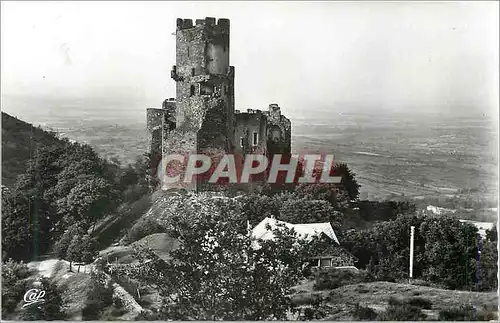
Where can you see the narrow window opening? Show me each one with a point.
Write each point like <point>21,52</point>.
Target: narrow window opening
<point>241,142</point>
<point>192,90</point>
<point>255,140</point>
<point>193,71</point>
<point>188,51</point>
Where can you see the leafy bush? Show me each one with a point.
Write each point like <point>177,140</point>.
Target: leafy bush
<point>394,301</point>
<point>420,302</point>
<point>334,278</point>
<point>99,296</point>
<point>461,313</point>
<point>312,313</point>
<point>53,308</point>
<point>445,251</point>
<point>143,228</point>
<point>364,313</point>
<point>403,312</point>
<point>147,316</point>
<point>316,311</point>
<point>14,284</point>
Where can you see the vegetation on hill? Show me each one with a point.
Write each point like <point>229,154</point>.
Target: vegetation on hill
<point>66,196</point>
<point>215,273</point>
<point>19,142</point>
<point>65,186</point>
<point>446,251</point>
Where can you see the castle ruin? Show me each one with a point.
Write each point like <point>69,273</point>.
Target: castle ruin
<point>203,116</point>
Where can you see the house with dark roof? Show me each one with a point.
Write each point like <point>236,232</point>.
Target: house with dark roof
<point>332,256</point>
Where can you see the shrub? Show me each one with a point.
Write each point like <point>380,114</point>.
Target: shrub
<point>147,316</point>
<point>334,278</point>
<point>314,313</point>
<point>100,296</point>
<point>394,301</point>
<point>420,302</point>
<point>404,312</point>
<point>117,302</point>
<point>461,313</point>
<point>14,284</point>
<point>53,308</point>
<point>143,228</point>
<point>364,313</point>
<point>135,192</point>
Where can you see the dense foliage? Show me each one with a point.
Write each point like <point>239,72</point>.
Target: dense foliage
<point>65,185</point>
<point>19,141</point>
<point>217,273</point>
<point>445,252</point>
<point>14,284</point>
<point>52,308</point>
<point>99,296</point>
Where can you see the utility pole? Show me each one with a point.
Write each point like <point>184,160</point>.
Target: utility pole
<point>412,238</point>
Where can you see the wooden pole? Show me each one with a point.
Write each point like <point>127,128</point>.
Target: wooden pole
<point>412,238</point>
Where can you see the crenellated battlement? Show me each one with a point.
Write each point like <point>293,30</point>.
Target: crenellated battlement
<point>222,23</point>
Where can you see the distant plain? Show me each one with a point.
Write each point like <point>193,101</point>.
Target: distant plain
<point>415,155</point>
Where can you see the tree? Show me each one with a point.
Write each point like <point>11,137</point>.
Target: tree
<point>217,273</point>
<point>14,284</point>
<point>64,183</point>
<point>320,191</point>
<point>450,251</point>
<point>445,249</point>
<point>305,210</point>
<point>256,207</point>
<point>82,249</point>
<point>488,265</point>
<point>17,229</point>
<point>61,246</point>
<point>87,201</point>
<point>99,296</point>
<point>492,235</point>
<point>52,308</point>
<point>348,180</point>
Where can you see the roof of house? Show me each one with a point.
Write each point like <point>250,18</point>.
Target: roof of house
<point>481,226</point>
<point>335,251</point>
<point>305,230</point>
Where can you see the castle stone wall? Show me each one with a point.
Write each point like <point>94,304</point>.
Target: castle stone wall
<point>154,119</point>
<point>248,123</point>
<point>202,118</point>
<point>279,135</point>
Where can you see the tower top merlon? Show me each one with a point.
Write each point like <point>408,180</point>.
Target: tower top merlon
<point>221,23</point>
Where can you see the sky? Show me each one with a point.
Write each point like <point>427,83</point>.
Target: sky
<point>305,56</point>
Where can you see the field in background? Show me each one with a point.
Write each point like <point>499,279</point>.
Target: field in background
<point>416,155</point>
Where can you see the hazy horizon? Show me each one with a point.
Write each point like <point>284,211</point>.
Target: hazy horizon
<point>321,56</point>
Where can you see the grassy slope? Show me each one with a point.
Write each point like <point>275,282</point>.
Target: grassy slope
<point>19,140</point>
<point>376,295</point>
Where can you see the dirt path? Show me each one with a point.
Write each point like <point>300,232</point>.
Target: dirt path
<point>76,282</point>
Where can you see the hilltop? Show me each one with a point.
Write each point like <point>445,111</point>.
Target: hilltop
<point>19,141</point>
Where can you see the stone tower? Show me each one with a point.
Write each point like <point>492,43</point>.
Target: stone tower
<point>202,118</point>
<point>204,83</point>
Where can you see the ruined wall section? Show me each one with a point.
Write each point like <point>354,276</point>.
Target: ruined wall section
<point>279,131</point>
<point>154,119</point>
<point>248,123</point>
<point>169,119</point>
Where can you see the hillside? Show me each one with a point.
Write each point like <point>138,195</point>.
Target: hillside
<point>19,141</point>
<point>376,295</point>
<point>337,304</point>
